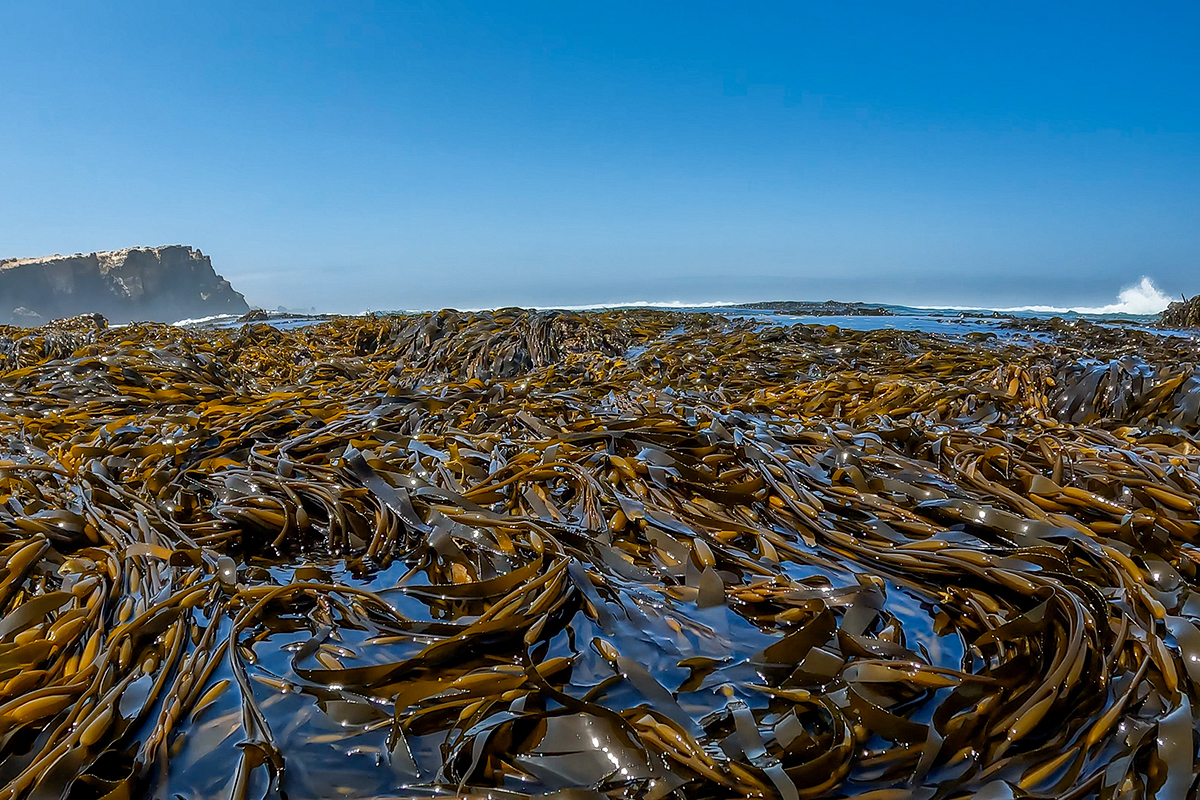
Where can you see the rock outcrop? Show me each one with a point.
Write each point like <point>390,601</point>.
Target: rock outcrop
<point>828,308</point>
<point>164,284</point>
<point>1181,314</point>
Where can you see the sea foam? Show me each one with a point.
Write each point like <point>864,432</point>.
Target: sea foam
<point>1141,299</point>
<point>201,320</point>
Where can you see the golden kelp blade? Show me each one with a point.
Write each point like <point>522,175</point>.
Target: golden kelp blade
<point>626,554</point>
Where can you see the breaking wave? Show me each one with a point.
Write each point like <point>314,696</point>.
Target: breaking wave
<point>1141,299</point>
<point>201,320</point>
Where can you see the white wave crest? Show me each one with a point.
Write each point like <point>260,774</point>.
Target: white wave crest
<point>643,304</point>
<point>201,320</point>
<point>665,304</point>
<point>1141,299</point>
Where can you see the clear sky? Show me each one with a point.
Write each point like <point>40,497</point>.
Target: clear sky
<point>351,155</point>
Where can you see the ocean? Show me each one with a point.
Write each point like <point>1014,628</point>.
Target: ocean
<point>1137,306</point>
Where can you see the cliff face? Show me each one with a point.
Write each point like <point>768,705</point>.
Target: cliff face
<point>140,283</point>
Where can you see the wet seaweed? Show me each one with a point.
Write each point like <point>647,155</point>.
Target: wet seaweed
<point>630,554</point>
<point>1183,313</point>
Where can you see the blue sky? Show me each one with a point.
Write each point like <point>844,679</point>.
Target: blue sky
<point>352,155</point>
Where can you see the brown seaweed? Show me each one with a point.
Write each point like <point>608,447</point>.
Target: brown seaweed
<point>631,554</point>
<point>1183,313</point>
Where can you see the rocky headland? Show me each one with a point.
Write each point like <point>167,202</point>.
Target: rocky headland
<point>136,284</point>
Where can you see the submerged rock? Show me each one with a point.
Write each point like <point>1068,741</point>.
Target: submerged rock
<point>139,283</point>
<point>1183,314</point>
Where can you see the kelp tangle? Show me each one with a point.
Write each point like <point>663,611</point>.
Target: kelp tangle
<point>630,554</point>
<point>1181,314</point>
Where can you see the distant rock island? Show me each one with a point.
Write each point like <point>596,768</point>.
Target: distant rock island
<point>163,284</point>
<point>828,308</point>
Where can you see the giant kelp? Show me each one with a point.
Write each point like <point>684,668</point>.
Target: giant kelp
<point>635,554</point>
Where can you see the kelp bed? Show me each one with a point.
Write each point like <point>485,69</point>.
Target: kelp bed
<point>635,554</point>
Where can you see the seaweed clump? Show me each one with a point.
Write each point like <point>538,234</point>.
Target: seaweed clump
<point>1182,314</point>
<point>630,554</point>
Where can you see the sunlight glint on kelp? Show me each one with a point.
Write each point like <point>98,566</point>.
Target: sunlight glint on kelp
<point>629,554</point>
